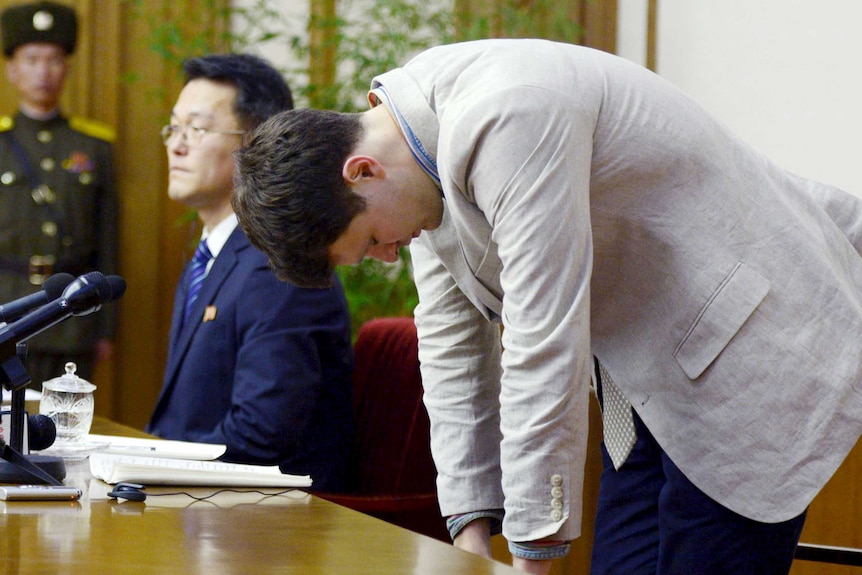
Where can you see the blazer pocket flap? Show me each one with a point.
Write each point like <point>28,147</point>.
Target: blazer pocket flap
<point>723,315</point>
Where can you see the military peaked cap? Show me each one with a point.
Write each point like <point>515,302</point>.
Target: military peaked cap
<point>39,22</point>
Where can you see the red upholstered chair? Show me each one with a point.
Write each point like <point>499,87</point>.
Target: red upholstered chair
<point>395,474</point>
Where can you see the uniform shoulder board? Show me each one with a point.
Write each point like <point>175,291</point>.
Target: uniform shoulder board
<point>6,123</point>
<point>93,128</point>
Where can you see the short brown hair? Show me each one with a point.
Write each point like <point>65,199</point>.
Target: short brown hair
<point>290,197</point>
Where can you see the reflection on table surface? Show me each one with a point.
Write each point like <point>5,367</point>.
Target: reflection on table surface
<point>214,530</point>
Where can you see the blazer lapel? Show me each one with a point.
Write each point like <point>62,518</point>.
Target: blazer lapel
<point>174,354</point>
<point>177,316</point>
<point>181,335</point>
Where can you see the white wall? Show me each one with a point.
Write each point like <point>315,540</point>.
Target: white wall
<point>293,21</point>
<point>783,74</point>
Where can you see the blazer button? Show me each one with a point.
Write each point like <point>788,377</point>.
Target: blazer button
<point>556,515</point>
<point>556,492</point>
<point>556,480</point>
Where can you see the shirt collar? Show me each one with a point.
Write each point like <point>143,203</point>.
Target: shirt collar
<point>217,237</point>
<point>423,157</point>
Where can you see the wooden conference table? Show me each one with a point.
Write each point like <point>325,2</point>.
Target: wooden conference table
<point>240,533</point>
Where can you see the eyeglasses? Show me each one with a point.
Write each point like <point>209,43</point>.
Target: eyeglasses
<point>192,135</point>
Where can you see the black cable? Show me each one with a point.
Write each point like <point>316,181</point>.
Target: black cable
<point>225,490</point>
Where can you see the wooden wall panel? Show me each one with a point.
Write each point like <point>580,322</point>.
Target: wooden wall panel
<point>151,244</point>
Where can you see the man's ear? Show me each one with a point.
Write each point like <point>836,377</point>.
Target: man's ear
<point>358,168</point>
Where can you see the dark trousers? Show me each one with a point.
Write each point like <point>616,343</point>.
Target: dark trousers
<point>651,520</point>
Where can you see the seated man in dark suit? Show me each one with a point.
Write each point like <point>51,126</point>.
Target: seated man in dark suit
<point>255,364</point>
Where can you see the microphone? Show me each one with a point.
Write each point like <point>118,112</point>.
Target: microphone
<point>42,432</point>
<point>51,290</point>
<point>83,296</point>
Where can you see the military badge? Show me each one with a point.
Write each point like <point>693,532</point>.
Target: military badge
<point>78,163</point>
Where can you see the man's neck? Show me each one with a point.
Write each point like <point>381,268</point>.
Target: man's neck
<point>382,133</point>
<point>40,113</point>
<point>211,217</point>
<point>383,138</point>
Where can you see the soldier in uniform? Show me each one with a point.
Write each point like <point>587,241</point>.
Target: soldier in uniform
<point>58,204</point>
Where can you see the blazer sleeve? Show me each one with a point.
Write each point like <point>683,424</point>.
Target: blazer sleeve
<point>523,156</point>
<point>459,356</point>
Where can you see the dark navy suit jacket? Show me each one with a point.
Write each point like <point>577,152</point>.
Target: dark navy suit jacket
<point>263,367</point>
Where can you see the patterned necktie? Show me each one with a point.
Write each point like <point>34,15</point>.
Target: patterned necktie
<point>617,420</point>
<point>197,273</point>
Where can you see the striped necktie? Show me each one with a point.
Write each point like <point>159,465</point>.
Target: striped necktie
<point>197,273</point>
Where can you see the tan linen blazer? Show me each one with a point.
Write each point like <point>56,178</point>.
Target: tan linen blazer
<point>594,209</point>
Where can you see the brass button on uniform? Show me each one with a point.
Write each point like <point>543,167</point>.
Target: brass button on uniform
<point>47,164</point>
<point>45,136</point>
<point>8,178</point>
<point>43,195</point>
<point>49,228</point>
<point>86,178</point>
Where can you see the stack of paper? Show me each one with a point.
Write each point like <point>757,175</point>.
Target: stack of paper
<point>163,471</point>
<point>163,462</point>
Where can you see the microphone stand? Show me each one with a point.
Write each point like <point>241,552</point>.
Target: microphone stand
<point>18,468</point>
<point>16,433</point>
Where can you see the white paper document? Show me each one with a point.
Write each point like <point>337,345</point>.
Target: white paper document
<point>113,468</point>
<point>151,447</point>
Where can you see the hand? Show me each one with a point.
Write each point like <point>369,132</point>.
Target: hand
<point>542,567</point>
<point>475,537</point>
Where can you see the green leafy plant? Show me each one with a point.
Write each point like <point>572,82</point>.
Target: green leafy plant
<point>379,37</point>
<point>549,19</point>
<point>183,29</point>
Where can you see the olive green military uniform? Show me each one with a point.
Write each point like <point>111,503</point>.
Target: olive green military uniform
<point>58,213</point>
<point>58,206</point>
